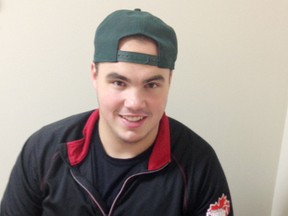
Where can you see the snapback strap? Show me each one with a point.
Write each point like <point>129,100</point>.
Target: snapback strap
<point>139,58</point>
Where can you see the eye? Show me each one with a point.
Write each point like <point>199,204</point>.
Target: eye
<point>118,83</point>
<point>152,85</point>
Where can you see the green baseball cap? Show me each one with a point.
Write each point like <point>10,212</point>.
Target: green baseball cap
<point>123,23</point>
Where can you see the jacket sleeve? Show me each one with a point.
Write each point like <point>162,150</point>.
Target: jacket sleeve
<point>213,195</point>
<point>23,195</point>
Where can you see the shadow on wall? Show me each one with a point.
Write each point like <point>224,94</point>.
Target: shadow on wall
<point>285,211</point>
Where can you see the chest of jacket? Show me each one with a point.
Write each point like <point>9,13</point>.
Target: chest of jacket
<point>160,192</point>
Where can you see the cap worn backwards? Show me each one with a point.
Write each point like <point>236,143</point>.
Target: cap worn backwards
<point>123,23</point>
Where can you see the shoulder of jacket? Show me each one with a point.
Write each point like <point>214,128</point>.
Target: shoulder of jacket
<point>184,141</point>
<point>65,130</point>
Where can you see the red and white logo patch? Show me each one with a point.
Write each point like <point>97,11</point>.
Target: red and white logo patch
<point>220,208</point>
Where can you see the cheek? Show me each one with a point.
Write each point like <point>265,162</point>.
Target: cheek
<point>158,103</point>
<point>108,98</point>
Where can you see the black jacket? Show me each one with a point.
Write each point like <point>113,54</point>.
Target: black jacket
<point>52,175</point>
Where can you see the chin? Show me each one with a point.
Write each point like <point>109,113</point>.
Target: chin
<point>131,138</point>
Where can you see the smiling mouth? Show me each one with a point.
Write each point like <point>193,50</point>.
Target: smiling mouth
<point>132,118</point>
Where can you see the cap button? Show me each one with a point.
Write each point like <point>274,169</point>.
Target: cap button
<point>137,9</point>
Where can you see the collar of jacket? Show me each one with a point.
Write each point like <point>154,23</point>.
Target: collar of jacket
<point>160,156</point>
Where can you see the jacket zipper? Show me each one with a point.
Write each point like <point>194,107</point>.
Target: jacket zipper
<point>89,193</point>
<point>119,193</point>
<point>126,181</point>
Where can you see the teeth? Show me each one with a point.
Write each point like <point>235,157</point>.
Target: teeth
<point>133,118</point>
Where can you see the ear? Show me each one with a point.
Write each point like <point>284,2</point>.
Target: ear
<point>94,74</point>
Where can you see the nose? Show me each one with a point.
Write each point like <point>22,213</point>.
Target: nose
<point>134,100</point>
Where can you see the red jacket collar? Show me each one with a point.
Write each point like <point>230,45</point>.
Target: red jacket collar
<point>160,156</point>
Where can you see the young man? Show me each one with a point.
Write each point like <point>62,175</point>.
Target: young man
<point>127,157</point>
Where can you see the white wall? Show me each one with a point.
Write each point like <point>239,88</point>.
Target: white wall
<point>230,84</point>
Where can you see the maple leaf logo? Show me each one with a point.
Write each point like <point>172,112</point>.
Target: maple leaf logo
<point>220,208</point>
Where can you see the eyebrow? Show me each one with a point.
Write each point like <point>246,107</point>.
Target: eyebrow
<point>114,75</point>
<point>155,78</point>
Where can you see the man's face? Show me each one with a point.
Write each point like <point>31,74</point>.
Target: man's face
<point>131,97</point>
